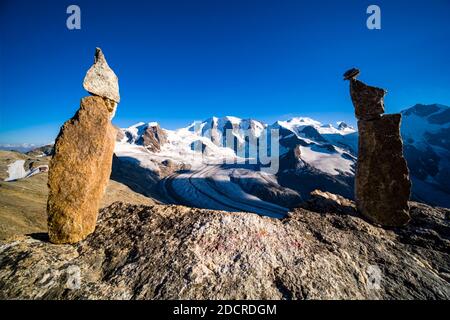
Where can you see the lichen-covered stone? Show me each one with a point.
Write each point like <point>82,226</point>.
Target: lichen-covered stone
<point>100,80</point>
<point>79,171</point>
<point>382,185</point>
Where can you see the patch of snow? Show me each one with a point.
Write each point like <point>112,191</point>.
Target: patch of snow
<point>16,170</point>
<point>331,163</point>
<point>297,124</point>
<point>134,152</point>
<point>415,127</point>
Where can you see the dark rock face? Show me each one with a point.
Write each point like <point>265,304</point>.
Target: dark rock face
<point>382,184</point>
<point>311,132</point>
<point>312,179</point>
<point>368,101</point>
<point>153,138</point>
<point>175,252</point>
<point>323,202</point>
<point>292,159</point>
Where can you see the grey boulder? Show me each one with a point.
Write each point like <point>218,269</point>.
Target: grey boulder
<point>100,80</point>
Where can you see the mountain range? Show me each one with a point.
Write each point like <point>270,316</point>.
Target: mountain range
<point>201,166</point>
<point>213,254</point>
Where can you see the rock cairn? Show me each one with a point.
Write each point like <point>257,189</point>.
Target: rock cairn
<point>382,184</point>
<point>81,164</point>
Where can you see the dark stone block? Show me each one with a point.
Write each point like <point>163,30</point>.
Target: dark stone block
<point>382,185</point>
<point>368,101</point>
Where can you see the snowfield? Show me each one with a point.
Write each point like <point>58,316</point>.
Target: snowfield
<point>211,187</point>
<point>16,170</point>
<point>216,175</point>
<point>331,163</point>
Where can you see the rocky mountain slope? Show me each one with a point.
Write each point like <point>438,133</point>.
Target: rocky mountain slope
<point>322,251</point>
<point>426,132</point>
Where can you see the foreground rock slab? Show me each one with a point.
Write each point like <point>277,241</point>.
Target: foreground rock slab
<point>176,252</point>
<point>79,171</point>
<point>382,183</point>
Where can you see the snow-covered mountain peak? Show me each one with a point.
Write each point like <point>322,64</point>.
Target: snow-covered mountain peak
<point>425,110</point>
<point>298,124</point>
<point>426,130</point>
<point>342,125</point>
<point>420,122</point>
<point>309,151</point>
<point>216,127</point>
<point>134,132</point>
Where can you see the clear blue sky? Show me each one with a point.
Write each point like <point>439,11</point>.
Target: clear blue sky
<point>180,61</point>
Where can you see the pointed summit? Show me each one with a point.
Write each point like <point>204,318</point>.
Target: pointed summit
<point>100,80</point>
<point>99,56</point>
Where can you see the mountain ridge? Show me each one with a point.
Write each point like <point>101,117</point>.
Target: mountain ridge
<point>310,150</point>
<point>312,155</point>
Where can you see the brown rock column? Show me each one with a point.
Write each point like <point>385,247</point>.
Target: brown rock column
<point>382,184</point>
<point>81,166</point>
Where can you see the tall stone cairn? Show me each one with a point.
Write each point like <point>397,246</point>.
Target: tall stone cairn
<point>81,164</point>
<point>382,184</point>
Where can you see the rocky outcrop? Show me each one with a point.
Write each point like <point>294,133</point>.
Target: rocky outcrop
<point>292,159</point>
<point>382,179</point>
<point>79,172</point>
<point>153,138</point>
<point>367,100</point>
<point>382,184</point>
<point>323,202</point>
<point>81,164</point>
<point>175,252</point>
